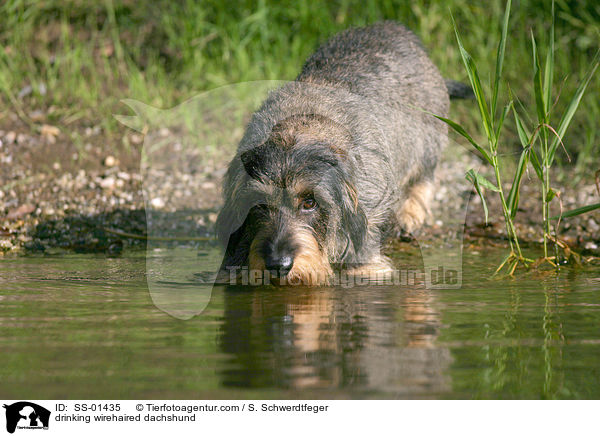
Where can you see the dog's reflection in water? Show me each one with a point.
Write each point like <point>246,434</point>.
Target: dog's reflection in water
<point>381,339</point>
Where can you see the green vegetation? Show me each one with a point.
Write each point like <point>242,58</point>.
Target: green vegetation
<point>80,57</point>
<point>538,148</point>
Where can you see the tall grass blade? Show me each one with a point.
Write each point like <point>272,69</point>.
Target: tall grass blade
<point>521,130</point>
<point>513,195</point>
<point>471,176</point>
<point>549,68</point>
<point>485,183</point>
<point>500,58</point>
<point>526,142</point>
<point>502,117</point>
<point>460,130</point>
<point>475,84</point>
<point>572,108</point>
<point>578,211</point>
<point>540,106</point>
<point>535,162</point>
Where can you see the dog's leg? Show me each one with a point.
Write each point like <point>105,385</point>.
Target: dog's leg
<point>414,211</point>
<point>378,269</point>
<point>378,265</point>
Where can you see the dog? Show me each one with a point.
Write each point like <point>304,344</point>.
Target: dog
<point>335,159</point>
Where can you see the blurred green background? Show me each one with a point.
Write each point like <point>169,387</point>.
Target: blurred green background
<point>70,61</point>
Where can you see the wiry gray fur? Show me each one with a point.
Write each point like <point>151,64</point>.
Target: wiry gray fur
<point>373,81</point>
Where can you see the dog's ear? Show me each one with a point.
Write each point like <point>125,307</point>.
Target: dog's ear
<point>354,220</point>
<point>237,248</point>
<point>231,230</point>
<point>233,214</point>
<point>254,160</point>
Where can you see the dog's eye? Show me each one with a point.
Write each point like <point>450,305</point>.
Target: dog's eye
<point>308,204</point>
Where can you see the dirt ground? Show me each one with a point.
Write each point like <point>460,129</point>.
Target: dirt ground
<point>58,196</point>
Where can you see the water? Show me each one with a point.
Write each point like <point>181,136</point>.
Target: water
<point>81,326</point>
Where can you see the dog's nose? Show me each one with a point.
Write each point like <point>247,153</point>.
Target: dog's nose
<point>282,265</point>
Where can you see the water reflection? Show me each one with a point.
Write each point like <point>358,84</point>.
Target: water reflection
<point>95,333</point>
<point>381,339</point>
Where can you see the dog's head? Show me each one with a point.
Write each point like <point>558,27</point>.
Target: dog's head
<point>299,206</point>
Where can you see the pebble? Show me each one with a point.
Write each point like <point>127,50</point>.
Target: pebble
<point>107,183</point>
<point>24,238</point>
<point>24,209</point>
<point>157,203</point>
<point>37,115</point>
<point>110,161</point>
<point>208,185</point>
<point>5,245</point>
<point>49,133</point>
<point>92,131</point>
<point>10,137</point>
<point>593,225</point>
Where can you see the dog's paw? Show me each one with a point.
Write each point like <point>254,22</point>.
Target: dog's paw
<point>377,269</point>
<point>415,210</point>
<point>412,216</point>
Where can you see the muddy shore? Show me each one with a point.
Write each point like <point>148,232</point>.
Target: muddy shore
<point>56,196</point>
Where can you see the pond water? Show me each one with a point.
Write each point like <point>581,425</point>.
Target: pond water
<point>84,326</point>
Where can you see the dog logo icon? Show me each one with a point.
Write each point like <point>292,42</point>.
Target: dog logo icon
<point>26,415</point>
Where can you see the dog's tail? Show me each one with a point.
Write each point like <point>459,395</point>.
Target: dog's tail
<point>459,90</point>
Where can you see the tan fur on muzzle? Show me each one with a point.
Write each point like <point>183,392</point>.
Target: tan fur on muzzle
<point>311,265</point>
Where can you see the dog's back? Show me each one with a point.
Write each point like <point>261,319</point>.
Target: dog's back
<point>384,62</point>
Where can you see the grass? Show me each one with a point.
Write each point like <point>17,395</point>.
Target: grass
<point>539,147</point>
<point>81,58</point>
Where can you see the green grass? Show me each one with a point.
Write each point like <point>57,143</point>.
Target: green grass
<point>540,142</point>
<point>90,55</point>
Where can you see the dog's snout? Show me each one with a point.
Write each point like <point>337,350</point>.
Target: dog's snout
<point>282,264</point>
